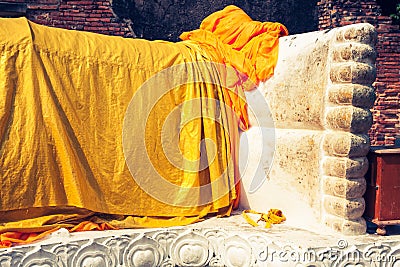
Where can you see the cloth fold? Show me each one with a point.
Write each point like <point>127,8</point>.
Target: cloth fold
<point>249,46</point>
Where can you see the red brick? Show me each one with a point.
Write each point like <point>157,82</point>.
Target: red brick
<point>48,2</point>
<point>107,20</point>
<point>96,24</point>
<point>89,28</point>
<point>68,18</point>
<point>41,7</point>
<point>65,6</point>
<point>88,7</point>
<point>74,14</point>
<point>78,18</point>
<point>79,2</point>
<point>92,19</point>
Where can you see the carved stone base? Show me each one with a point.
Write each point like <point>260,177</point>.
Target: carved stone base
<point>214,242</point>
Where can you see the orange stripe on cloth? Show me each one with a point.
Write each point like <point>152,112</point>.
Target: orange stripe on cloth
<point>90,226</point>
<point>9,239</point>
<point>12,238</point>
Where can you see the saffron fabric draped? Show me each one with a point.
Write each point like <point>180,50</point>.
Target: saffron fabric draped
<point>63,99</point>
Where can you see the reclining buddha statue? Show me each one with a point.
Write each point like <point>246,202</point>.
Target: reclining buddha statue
<point>125,133</point>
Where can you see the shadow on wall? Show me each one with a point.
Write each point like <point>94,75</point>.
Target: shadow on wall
<point>167,19</point>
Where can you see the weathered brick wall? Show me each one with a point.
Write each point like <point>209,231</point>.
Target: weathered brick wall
<point>94,16</point>
<point>386,111</point>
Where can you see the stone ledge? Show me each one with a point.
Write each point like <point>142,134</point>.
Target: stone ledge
<point>214,242</point>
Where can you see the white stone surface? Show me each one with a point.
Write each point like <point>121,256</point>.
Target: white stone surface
<point>229,241</point>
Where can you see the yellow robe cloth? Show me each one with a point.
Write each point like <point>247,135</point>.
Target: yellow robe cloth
<point>63,100</point>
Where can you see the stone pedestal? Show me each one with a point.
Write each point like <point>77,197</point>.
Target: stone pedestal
<point>230,242</point>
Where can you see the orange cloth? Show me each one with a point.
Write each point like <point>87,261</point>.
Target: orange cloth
<point>9,239</point>
<point>90,226</point>
<point>249,46</point>
<point>63,98</point>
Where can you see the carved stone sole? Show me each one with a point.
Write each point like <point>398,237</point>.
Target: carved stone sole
<point>347,121</point>
<point>319,100</point>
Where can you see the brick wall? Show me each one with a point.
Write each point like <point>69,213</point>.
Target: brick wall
<point>94,16</point>
<point>386,111</point>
